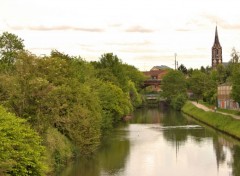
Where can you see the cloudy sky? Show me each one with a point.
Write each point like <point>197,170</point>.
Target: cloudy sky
<point>142,33</point>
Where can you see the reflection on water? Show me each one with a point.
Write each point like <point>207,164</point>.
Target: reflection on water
<point>160,141</point>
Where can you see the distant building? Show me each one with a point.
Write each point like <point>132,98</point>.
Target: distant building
<point>224,99</point>
<point>154,77</point>
<point>155,74</point>
<point>216,51</point>
<point>161,67</point>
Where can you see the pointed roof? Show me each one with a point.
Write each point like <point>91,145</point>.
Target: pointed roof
<point>216,41</point>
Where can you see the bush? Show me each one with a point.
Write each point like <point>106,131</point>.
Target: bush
<point>178,101</point>
<point>60,149</point>
<point>21,151</point>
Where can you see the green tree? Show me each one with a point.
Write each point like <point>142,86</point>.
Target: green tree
<point>235,56</point>
<point>190,71</point>
<point>135,97</point>
<point>134,75</point>
<point>114,102</point>
<point>27,91</point>
<point>236,83</point>
<point>21,151</point>
<point>72,103</point>
<point>183,69</point>
<point>203,85</point>
<point>174,88</point>
<point>10,45</point>
<point>113,65</point>
<point>197,83</point>
<point>221,74</point>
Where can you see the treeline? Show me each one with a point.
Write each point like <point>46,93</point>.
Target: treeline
<point>69,102</point>
<point>201,84</point>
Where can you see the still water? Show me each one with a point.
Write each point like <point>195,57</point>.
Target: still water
<point>162,142</point>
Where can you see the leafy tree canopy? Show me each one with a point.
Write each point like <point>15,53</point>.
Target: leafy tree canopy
<point>10,44</point>
<point>21,151</point>
<point>174,88</point>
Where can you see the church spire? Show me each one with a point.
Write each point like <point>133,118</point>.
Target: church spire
<point>216,51</point>
<point>216,41</point>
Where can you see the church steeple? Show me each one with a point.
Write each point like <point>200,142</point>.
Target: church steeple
<point>216,41</point>
<point>216,51</point>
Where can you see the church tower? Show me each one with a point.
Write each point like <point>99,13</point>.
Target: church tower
<point>216,51</point>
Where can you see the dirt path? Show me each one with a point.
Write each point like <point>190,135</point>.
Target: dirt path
<point>208,109</point>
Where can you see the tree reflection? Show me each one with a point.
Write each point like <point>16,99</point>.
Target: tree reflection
<point>236,160</point>
<point>218,148</point>
<point>108,160</point>
<point>113,153</point>
<point>176,128</point>
<point>175,133</point>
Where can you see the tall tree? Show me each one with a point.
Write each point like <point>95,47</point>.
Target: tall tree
<point>235,56</point>
<point>197,83</point>
<point>236,83</point>
<point>174,88</point>
<point>203,85</point>
<point>183,69</point>
<point>112,64</point>
<point>10,44</point>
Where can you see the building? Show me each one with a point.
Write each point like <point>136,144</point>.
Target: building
<point>216,51</point>
<point>224,97</point>
<point>161,67</point>
<point>154,77</point>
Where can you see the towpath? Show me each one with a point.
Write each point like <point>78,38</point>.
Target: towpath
<point>205,108</point>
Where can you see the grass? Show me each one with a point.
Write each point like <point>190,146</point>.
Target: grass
<point>206,104</point>
<point>218,121</point>
<point>229,111</point>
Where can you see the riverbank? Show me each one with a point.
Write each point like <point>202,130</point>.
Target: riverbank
<point>221,122</point>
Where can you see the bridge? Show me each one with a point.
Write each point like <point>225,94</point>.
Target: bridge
<point>154,78</point>
<point>152,82</point>
<point>154,98</point>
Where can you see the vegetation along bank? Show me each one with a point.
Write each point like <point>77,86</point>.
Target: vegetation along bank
<point>221,122</point>
<point>55,107</point>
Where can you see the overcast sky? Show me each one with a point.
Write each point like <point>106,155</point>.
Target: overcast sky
<point>142,33</point>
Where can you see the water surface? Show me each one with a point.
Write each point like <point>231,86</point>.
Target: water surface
<point>162,142</point>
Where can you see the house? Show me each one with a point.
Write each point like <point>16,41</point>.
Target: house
<point>224,97</point>
<point>154,78</point>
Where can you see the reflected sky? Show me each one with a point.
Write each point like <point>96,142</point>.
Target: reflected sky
<point>151,154</point>
<point>160,142</point>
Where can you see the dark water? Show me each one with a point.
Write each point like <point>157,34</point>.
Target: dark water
<point>158,142</point>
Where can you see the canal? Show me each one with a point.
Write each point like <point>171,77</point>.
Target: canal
<point>162,142</point>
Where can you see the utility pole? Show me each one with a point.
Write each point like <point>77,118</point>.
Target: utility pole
<point>175,63</point>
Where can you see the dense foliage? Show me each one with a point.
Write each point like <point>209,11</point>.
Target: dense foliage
<point>10,44</point>
<point>21,150</point>
<point>71,103</point>
<point>174,88</point>
<point>236,83</point>
<point>203,86</point>
<point>76,100</point>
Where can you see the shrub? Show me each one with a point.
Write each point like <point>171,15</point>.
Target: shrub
<point>21,150</point>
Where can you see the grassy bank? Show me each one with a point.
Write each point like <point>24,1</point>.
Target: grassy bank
<point>229,111</point>
<point>218,121</point>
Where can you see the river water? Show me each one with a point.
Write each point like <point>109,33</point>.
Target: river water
<point>161,142</point>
